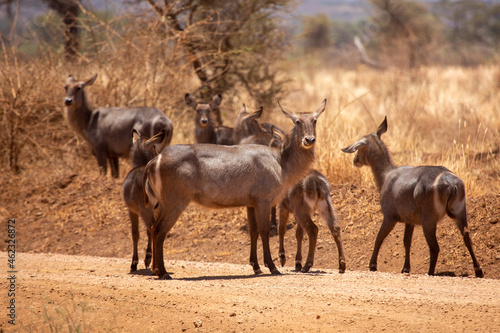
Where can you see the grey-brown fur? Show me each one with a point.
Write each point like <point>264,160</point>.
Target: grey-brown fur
<point>246,124</point>
<point>143,150</point>
<point>420,195</point>
<point>107,129</point>
<point>309,195</point>
<point>206,129</point>
<point>217,176</point>
<point>303,199</point>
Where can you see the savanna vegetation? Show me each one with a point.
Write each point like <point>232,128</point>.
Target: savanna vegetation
<point>439,92</point>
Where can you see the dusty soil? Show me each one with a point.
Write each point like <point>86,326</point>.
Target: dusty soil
<point>97,294</point>
<point>74,251</point>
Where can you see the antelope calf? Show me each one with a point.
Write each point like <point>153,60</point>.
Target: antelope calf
<point>107,129</point>
<point>303,199</point>
<point>205,129</point>
<point>420,195</point>
<point>217,176</point>
<point>142,151</point>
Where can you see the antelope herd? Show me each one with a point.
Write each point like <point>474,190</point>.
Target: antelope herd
<point>258,166</point>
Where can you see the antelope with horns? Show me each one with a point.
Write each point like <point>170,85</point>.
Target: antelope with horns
<point>420,195</point>
<point>217,176</point>
<point>107,129</point>
<point>205,129</point>
<point>303,199</point>
<point>142,151</point>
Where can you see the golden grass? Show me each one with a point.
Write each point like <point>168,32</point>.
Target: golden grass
<point>447,116</point>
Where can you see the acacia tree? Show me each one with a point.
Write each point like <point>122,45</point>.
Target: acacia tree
<point>228,43</point>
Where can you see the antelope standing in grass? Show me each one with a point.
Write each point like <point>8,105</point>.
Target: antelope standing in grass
<point>217,176</point>
<point>142,151</point>
<point>420,195</point>
<point>206,130</point>
<point>303,199</point>
<point>107,129</point>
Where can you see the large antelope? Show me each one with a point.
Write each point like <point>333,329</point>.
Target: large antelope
<point>205,128</point>
<point>107,129</point>
<point>216,176</point>
<point>420,195</point>
<point>303,199</point>
<point>142,151</point>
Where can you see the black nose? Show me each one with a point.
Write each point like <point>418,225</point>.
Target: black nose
<point>310,140</point>
<point>68,101</point>
<point>204,121</point>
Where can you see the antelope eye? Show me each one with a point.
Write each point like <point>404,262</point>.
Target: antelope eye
<point>297,122</point>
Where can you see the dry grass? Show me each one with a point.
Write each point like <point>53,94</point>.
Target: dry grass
<point>446,116</point>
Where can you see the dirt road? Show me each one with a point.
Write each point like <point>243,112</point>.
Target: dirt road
<point>97,294</point>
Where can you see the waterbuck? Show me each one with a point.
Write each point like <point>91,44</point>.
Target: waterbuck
<point>107,129</point>
<point>307,196</point>
<point>205,129</point>
<point>303,199</point>
<point>142,151</point>
<point>217,176</point>
<point>420,195</point>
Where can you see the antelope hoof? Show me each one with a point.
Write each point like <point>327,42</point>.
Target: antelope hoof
<point>165,277</point>
<point>479,273</point>
<point>298,266</point>
<point>275,271</point>
<point>282,259</point>
<point>405,271</point>
<point>133,267</point>
<point>342,266</point>
<point>373,267</point>
<point>257,271</point>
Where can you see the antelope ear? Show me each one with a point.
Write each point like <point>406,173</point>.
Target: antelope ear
<point>190,101</point>
<point>255,114</point>
<point>157,138</point>
<point>135,135</point>
<point>278,137</point>
<point>157,142</point>
<point>216,100</point>
<point>277,133</point>
<point>354,147</point>
<point>254,123</point>
<point>320,109</point>
<point>90,81</point>
<point>382,128</point>
<point>288,113</point>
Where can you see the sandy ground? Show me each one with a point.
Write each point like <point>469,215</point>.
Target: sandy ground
<point>61,293</point>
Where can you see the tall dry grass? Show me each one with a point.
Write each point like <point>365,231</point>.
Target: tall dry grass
<point>448,116</point>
